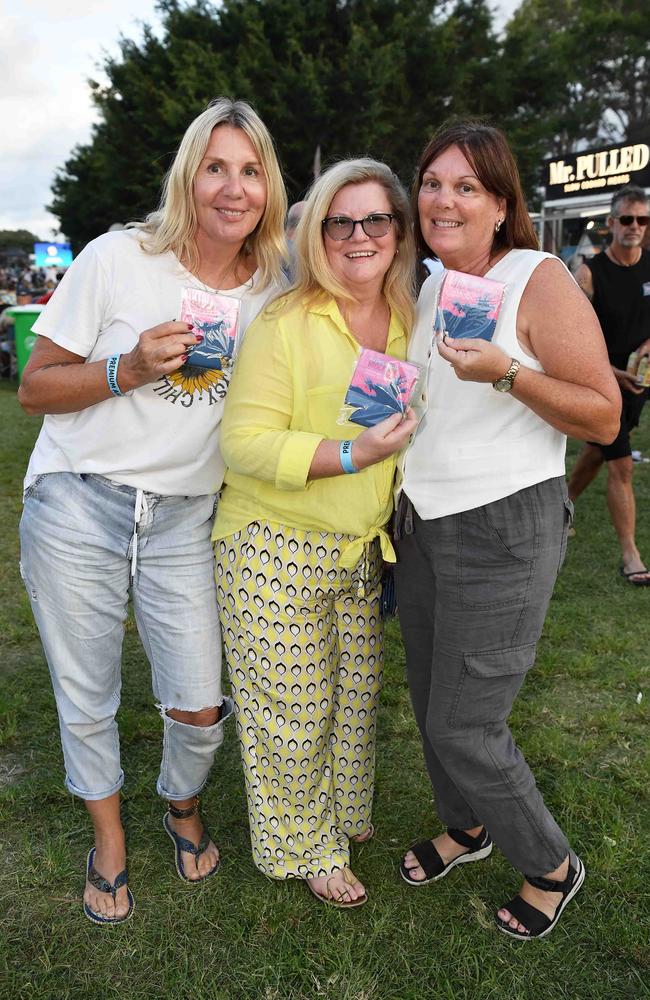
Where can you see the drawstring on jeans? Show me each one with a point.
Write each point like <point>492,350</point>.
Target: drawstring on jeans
<point>141,507</point>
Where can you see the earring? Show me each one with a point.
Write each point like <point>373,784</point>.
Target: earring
<point>396,252</point>
<point>498,225</point>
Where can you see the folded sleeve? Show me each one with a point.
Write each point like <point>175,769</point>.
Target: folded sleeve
<point>258,438</point>
<point>76,313</point>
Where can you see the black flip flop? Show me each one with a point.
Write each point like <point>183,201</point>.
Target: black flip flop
<point>637,572</point>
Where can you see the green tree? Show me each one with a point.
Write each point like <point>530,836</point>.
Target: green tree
<point>357,77</point>
<point>20,239</point>
<point>575,72</point>
<point>351,76</point>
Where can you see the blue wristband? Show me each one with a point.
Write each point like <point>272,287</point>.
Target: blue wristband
<point>111,374</point>
<point>345,456</point>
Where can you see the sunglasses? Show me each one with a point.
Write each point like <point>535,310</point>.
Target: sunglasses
<point>627,220</point>
<point>340,227</point>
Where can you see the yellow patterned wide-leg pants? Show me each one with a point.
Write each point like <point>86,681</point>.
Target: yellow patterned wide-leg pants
<point>303,640</point>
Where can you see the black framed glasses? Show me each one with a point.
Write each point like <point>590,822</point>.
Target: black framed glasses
<point>340,227</point>
<point>627,220</point>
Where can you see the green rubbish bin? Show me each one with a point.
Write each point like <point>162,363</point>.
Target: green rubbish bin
<point>24,319</point>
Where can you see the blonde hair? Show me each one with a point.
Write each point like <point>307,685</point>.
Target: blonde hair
<point>173,225</point>
<point>313,272</point>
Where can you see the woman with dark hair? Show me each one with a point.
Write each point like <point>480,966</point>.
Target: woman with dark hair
<point>484,514</point>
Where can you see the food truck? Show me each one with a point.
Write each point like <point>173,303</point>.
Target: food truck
<point>578,190</point>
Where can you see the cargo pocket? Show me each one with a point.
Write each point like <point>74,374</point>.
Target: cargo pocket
<point>489,683</point>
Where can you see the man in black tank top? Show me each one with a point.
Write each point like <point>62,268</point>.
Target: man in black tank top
<point>618,284</point>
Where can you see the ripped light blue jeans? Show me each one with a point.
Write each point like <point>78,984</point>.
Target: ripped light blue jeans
<point>78,561</point>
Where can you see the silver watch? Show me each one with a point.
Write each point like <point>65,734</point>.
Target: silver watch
<point>504,384</point>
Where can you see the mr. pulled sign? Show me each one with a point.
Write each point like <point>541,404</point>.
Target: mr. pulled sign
<point>597,170</point>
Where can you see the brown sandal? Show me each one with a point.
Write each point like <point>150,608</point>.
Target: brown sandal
<point>340,902</point>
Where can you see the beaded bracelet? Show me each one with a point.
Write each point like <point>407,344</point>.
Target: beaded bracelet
<point>345,456</point>
<point>111,374</point>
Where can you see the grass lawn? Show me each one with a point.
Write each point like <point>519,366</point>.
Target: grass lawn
<point>579,720</point>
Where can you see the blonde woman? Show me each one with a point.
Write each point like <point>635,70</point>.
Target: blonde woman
<point>300,532</point>
<point>121,485</point>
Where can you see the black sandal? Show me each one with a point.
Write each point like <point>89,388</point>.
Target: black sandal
<point>432,864</point>
<point>538,924</point>
<point>183,844</point>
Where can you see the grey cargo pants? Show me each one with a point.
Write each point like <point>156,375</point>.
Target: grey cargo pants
<point>473,589</point>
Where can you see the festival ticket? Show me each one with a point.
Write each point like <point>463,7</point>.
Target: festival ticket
<point>468,306</point>
<point>216,318</point>
<point>380,386</point>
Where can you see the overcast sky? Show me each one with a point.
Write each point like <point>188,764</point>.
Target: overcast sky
<point>48,51</point>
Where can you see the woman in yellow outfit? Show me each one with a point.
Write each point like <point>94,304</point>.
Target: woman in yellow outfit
<point>300,531</point>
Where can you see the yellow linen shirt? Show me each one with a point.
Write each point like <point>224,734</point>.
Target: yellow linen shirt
<point>285,398</point>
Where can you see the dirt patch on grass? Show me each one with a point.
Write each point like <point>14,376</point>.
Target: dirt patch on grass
<point>12,769</point>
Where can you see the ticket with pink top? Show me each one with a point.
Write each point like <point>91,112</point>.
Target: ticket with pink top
<point>468,305</point>
<point>216,318</point>
<point>380,386</point>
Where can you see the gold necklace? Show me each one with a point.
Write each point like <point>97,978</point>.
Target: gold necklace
<point>222,278</point>
<point>622,263</point>
<point>493,261</point>
<point>231,270</point>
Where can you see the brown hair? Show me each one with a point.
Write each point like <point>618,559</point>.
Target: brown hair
<point>487,150</point>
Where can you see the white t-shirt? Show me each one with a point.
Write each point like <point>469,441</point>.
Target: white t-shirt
<point>475,445</point>
<point>163,437</point>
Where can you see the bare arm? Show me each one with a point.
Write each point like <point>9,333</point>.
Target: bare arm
<point>56,380</point>
<point>577,392</point>
<point>585,280</point>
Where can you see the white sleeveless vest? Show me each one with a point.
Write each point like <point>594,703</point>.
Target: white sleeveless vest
<point>475,445</point>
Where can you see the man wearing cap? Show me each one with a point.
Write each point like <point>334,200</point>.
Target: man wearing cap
<point>618,284</point>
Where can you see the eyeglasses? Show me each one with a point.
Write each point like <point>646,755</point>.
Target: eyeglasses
<point>340,227</point>
<point>627,220</point>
